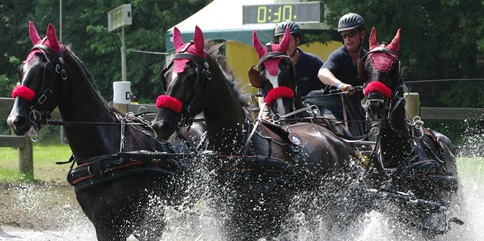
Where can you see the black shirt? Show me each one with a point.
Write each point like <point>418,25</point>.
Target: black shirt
<point>340,64</point>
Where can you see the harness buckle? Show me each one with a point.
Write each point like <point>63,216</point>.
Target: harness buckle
<point>42,99</point>
<point>63,74</point>
<point>57,68</point>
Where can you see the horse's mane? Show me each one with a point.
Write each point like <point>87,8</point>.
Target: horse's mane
<point>212,49</point>
<point>86,73</point>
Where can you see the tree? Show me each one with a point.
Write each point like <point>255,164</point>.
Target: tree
<point>13,45</point>
<point>440,39</point>
<point>85,31</point>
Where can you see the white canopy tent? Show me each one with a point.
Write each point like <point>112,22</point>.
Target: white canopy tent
<point>222,20</point>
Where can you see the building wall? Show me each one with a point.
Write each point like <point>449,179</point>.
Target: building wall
<point>240,57</point>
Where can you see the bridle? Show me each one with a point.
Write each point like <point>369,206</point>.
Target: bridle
<point>53,70</point>
<point>203,75</point>
<point>377,97</point>
<point>255,70</point>
<point>390,104</point>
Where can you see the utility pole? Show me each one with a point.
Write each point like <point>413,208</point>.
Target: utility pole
<point>119,18</point>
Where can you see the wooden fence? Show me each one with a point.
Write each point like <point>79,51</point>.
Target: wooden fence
<point>24,144</point>
<point>25,152</point>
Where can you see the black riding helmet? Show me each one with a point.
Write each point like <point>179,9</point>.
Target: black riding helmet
<point>351,21</point>
<point>281,29</point>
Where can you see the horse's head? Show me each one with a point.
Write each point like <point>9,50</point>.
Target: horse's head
<point>275,74</point>
<point>380,69</point>
<point>185,82</point>
<point>41,78</point>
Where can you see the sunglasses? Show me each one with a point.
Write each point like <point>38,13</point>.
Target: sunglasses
<point>351,34</point>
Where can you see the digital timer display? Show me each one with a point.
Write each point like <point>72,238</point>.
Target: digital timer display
<point>119,17</point>
<point>276,13</point>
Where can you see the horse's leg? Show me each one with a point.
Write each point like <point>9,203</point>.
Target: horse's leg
<point>254,208</point>
<point>107,221</point>
<point>116,207</point>
<point>152,220</point>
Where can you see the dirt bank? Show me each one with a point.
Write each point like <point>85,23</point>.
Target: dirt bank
<point>38,206</point>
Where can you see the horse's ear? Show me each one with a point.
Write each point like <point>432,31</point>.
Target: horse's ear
<point>33,34</point>
<point>261,51</point>
<point>177,38</point>
<point>53,42</point>
<point>395,44</point>
<point>372,40</point>
<point>286,40</point>
<point>198,41</point>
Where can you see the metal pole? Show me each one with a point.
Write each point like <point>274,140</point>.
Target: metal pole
<point>62,134</point>
<point>60,20</point>
<point>123,56</point>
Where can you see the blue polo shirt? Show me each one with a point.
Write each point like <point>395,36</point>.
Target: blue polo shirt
<point>307,68</point>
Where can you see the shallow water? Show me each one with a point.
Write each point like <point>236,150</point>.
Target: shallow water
<point>200,223</point>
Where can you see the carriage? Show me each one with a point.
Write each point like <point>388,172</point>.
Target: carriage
<point>404,162</point>
<point>260,166</point>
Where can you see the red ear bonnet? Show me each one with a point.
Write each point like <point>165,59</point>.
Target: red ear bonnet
<point>284,44</point>
<point>51,40</point>
<point>273,63</point>
<point>382,61</point>
<point>195,48</point>
<point>259,48</point>
<point>33,34</point>
<point>372,39</point>
<point>395,44</point>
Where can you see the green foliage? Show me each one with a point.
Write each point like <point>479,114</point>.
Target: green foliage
<point>84,29</point>
<point>440,39</point>
<point>6,86</point>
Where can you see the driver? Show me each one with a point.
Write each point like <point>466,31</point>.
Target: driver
<point>340,71</point>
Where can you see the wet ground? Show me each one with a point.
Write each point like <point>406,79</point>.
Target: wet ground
<point>49,212</point>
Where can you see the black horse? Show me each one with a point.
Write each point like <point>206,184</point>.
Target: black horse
<point>118,174</point>
<point>275,76</point>
<point>409,158</point>
<point>258,165</point>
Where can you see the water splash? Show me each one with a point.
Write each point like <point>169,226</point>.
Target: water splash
<point>204,221</point>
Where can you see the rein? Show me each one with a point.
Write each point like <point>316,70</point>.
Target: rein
<point>417,123</point>
<point>80,123</point>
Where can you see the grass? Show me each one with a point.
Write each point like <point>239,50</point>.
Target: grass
<point>45,168</point>
<point>472,168</point>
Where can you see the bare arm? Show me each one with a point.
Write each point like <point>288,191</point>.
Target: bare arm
<point>328,78</point>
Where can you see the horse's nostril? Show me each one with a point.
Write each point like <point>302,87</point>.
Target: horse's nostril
<point>160,126</point>
<point>163,129</point>
<point>19,121</point>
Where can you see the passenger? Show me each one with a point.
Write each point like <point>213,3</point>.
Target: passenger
<point>306,64</point>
